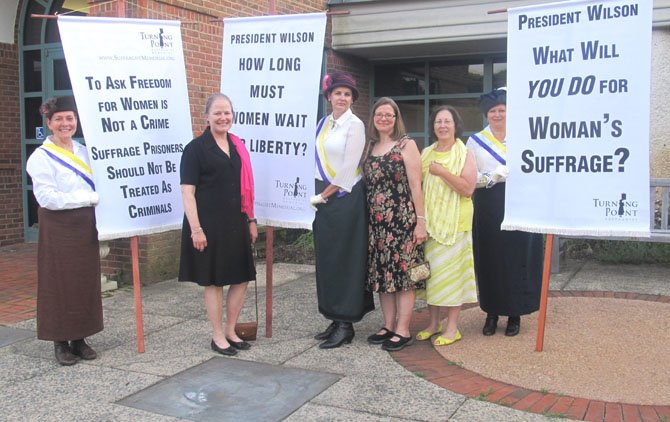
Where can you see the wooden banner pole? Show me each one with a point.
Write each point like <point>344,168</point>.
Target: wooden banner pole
<point>546,273</point>
<point>269,237</point>
<point>137,293</point>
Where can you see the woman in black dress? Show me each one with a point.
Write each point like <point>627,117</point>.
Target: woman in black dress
<point>508,264</point>
<point>219,225</point>
<point>340,224</point>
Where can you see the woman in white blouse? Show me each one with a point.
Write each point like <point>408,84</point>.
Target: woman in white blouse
<point>340,224</point>
<point>508,264</point>
<point>69,305</point>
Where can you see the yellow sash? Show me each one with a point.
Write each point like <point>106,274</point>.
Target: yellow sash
<point>321,148</point>
<point>62,151</point>
<point>489,136</point>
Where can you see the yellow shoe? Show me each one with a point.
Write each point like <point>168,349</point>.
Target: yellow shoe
<point>443,341</point>
<point>425,335</point>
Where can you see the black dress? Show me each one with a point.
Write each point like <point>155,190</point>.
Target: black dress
<point>228,258</point>
<point>508,264</point>
<point>340,247</point>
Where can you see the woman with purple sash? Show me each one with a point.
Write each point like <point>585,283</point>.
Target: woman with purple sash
<point>340,224</point>
<point>69,305</point>
<point>508,264</point>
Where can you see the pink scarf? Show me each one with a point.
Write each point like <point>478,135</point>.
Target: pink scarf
<point>246,177</point>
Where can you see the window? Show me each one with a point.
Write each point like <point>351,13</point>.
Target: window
<point>418,87</point>
<point>456,78</point>
<point>400,79</point>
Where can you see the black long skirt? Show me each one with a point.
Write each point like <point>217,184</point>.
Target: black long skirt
<point>508,264</point>
<point>69,304</point>
<point>341,248</point>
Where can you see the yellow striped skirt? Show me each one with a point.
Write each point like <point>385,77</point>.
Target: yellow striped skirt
<point>452,272</point>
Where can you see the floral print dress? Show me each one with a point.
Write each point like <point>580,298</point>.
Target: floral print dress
<point>392,219</point>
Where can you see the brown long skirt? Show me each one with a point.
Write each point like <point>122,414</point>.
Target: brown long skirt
<point>69,305</point>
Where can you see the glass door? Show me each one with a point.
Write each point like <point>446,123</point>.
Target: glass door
<point>43,74</point>
<point>56,83</point>
<point>58,80</point>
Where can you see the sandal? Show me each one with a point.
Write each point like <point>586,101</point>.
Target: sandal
<point>380,338</point>
<point>443,341</point>
<point>425,335</point>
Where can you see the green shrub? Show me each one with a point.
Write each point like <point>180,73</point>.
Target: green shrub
<point>305,240</point>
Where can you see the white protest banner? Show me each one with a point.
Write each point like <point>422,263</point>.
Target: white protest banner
<point>578,118</point>
<point>271,70</point>
<point>129,82</point>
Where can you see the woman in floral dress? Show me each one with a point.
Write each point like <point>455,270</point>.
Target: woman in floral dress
<point>396,221</point>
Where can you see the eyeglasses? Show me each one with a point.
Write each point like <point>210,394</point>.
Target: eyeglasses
<point>440,122</point>
<point>387,116</point>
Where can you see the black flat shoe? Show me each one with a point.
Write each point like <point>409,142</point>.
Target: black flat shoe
<point>490,325</point>
<point>394,346</point>
<point>239,345</point>
<point>342,334</point>
<point>380,338</point>
<point>228,351</point>
<point>325,334</point>
<point>513,326</point>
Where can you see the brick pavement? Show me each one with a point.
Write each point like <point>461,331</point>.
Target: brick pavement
<point>18,282</point>
<point>423,360</point>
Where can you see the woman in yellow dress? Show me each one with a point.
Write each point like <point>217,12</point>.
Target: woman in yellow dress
<point>449,178</point>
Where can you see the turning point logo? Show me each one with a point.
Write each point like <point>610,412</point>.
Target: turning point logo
<point>617,209</point>
<point>159,42</point>
<point>292,191</point>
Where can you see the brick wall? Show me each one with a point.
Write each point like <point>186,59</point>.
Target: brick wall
<point>11,203</point>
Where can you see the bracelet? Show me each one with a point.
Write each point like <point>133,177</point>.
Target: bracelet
<point>194,231</point>
<point>421,217</point>
<point>252,220</point>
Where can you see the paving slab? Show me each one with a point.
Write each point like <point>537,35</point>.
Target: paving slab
<point>319,413</point>
<point>73,386</point>
<point>85,410</point>
<point>230,389</point>
<point>9,335</point>
<point>477,410</point>
<point>166,352</point>
<point>119,330</point>
<point>356,358</point>
<point>17,368</point>
<point>416,399</point>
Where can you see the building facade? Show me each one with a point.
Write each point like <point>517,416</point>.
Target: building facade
<point>422,53</point>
